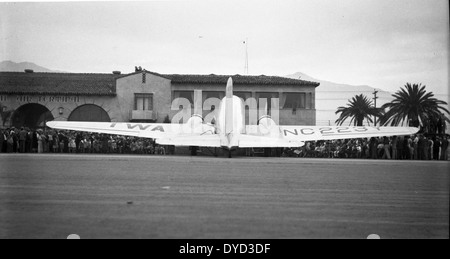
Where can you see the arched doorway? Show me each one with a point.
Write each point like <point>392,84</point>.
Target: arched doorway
<point>31,116</point>
<point>89,112</point>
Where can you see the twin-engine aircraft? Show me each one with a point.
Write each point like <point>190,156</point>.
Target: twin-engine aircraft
<point>230,132</point>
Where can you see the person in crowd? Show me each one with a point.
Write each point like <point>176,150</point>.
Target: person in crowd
<point>426,149</point>
<point>104,144</point>
<point>81,146</point>
<point>45,142</point>
<point>56,142</point>
<point>373,148</point>
<point>405,155</point>
<point>78,141</point>
<point>380,150</point>
<point>9,142</point>
<point>162,150</point>
<point>50,142</point>
<point>22,140</point>
<point>29,141</point>
<point>420,147</point>
<point>72,145</point>
<point>430,149</point>
<point>15,139</point>
<point>40,140</point>
<point>3,141</point>
<point>411,147</point>
<point>415,144</point>
<point>61,142</point>
<point>87,145</point>
<point>444,148</point>
<point>307,149</point>
<point>400,151</point>
<point>365,149</point>
<point>34,142</point>
<point>394,146</point>
<point>386,147</point>
<point>436,148</point>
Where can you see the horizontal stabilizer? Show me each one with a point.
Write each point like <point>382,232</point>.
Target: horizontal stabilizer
<point>94,127</point>
<point>314,133</point>
<point>191,141</point>
<point>248,141</point>
<point>142,130</point>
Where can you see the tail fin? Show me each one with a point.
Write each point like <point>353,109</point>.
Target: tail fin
<point>229,90</point>
<point>229,107</point>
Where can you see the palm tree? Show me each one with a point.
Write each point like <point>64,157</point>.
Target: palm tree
<point>358,109</point>
<point>413,105</point>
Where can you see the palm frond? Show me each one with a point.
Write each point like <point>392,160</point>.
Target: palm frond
<point>412,104</point>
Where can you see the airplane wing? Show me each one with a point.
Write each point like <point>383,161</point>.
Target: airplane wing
<point>165,134</point>
<point>292,134</point>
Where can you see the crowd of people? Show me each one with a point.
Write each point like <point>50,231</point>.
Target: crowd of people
<point>25,140</point>
<point>417,147</point>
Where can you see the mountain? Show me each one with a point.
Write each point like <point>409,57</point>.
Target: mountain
<point>10,66</point>
<point>330,86</point>
<point>330,96</point>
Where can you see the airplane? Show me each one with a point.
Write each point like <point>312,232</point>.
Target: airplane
<point>230,132</point>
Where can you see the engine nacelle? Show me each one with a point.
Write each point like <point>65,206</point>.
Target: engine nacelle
<point>194,124</point>
<point>267,126</point>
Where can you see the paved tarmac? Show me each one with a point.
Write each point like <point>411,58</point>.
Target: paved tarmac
<point>96,196</point>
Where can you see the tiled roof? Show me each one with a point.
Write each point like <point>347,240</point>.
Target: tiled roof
<point>58,83</point>
<point>238,80</point>
<point>105,84</point>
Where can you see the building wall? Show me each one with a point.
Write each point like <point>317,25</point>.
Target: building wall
<point>54,102</point>
<point>119,107</point>
<point>287,116</point>
<point>128,86</point>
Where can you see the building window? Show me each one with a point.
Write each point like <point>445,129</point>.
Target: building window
<point>210,94</point>
<point>294,101</point>
<point>243,95</point>
<point>189,95</point>
<point>143,102</point>
<point>268,97</point>
<point>144,78</point>
<point>309,99</point>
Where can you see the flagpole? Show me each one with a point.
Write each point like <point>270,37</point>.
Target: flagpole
<point>246,56</point>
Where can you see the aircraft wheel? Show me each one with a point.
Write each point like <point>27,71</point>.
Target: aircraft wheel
<point>193,151</point>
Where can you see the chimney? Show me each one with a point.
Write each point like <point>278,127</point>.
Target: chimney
<point>29,71</point>
<point>117,72</point>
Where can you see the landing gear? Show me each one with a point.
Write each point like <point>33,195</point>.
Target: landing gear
<point>194,151</point>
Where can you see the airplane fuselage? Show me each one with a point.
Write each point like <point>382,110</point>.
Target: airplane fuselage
<point>230,123</point>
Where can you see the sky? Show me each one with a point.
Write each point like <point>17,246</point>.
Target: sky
<point>381,43</point>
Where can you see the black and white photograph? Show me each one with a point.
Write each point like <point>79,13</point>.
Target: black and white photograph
<point>251,120</point>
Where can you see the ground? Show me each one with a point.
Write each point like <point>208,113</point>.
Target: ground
<point>53,196</point>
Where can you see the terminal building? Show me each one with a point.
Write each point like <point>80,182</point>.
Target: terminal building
<point>29,99</point>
